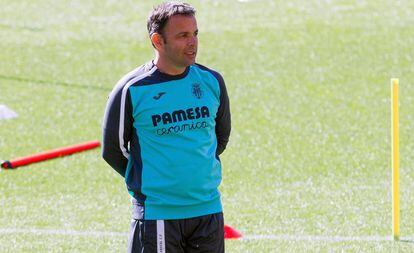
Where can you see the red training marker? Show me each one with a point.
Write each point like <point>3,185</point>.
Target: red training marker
<point>231,233</point>
<point>59,152</point>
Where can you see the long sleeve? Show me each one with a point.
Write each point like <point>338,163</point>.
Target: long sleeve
<point>223,119</point>
<point>117,129</point>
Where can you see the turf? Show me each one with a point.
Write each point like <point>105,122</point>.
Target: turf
<point>310,149</point>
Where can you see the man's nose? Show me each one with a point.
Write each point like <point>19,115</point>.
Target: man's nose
<point>192,41</point>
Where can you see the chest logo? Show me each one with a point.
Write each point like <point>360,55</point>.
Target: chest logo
<point>159,95</point>
<point>196,90</point>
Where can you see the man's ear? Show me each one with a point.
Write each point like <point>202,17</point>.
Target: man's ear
<point>157,40</point>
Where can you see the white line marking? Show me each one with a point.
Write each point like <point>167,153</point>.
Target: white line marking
<point>317,238</point>
<point>37,231</point>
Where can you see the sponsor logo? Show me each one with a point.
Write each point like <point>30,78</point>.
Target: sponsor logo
<point>181,128</point>
<point>180,115</point>
<point>164,120</point>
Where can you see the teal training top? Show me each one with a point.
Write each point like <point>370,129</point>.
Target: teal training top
<point>164,134</point>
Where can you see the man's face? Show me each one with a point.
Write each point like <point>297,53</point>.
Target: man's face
<point>180,40</point>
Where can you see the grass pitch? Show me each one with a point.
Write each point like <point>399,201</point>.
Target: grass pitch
<point>308,166</point>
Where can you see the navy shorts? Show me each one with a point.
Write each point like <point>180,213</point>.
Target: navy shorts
<point>199,234</point>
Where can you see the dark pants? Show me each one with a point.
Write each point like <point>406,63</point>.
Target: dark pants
<point>204,234</point>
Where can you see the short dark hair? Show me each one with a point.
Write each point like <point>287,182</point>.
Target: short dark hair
<point>159,16</point>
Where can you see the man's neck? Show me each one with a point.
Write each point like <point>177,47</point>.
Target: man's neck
<point>167,68</point>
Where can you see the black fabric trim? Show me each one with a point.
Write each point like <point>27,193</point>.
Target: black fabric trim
<point>173,77</point>
<point>134,182</point>
<point>159,77</point>
<point>213,72</point>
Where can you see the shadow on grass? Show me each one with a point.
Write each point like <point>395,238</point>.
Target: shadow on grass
<point>411,241</point>
<point>22,27</point>
<point>65,84</point>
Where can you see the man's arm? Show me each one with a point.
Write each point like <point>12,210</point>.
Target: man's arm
<point>117,128</point>
<point>223,119</point>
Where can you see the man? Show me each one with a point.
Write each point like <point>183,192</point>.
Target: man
<point>165,125</point>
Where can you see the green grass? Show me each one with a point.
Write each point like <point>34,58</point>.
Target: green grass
<point>309,88</point>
